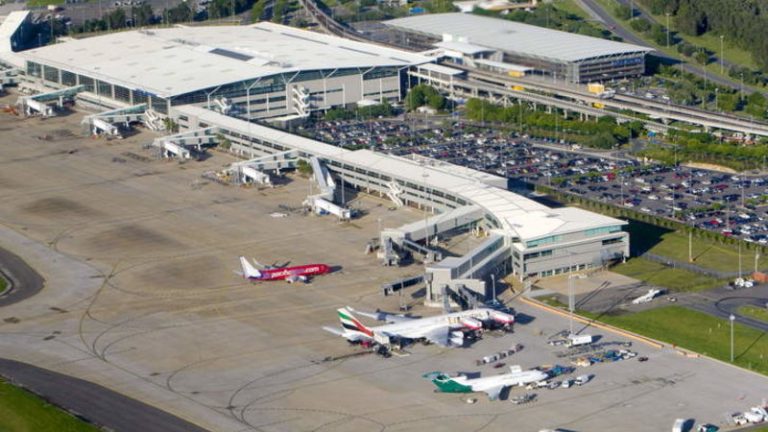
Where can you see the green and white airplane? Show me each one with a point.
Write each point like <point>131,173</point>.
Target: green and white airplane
<point>491,385</point>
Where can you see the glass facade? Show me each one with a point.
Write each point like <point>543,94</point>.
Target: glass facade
<point>51,74</point>
<point>543,241</point>
<point>34,69</point>
<point>68,78</point>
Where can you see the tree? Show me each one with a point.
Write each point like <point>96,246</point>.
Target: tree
<point>257,11</point>
<point>702,57</point>
<point>304,168</point>
<point>623,12</point>
<point>424,95</point>
<point>686,49</point>
<point>278,10</point>
<point>142,15</point>
<point>659,34</point>
<point>116,19</point>
<point>180,13</point>
<point>641,25</point>
<point>728,102</point>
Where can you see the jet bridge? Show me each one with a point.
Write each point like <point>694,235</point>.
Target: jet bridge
<point>323,202</point>
<point>43,103</point>
<point>8,77</point>
<point>469,271</point>
<point>253,170</point>
<point>408,236</point>
<point>182,144</point>
<point>106,122</point>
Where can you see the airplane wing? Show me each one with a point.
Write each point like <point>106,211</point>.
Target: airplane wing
<point>437,335</point>
<point>334,330</point>
<point>494,392</point>
<point>384,316</point>
<point>350,336</point>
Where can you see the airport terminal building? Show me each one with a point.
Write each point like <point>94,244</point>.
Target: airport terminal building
<point>493,41</point>
<point>251,72</point>
<point>521,236</point>
<point>214,81</point>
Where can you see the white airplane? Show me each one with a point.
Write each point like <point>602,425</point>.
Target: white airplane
<point>441,329</point>
<point>645,298</point>
<point>492,385</point>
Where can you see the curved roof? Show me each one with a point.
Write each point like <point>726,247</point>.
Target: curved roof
<point>518,215</point>
<point>511,36</point>
<point>178,60</point>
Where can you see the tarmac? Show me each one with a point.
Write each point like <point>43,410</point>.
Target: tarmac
<point>140,298</point>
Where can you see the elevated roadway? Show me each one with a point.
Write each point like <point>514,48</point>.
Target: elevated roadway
<point>650,107</point>
<point>498,87</point>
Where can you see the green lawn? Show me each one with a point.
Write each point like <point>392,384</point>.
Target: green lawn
<point>706,253</point>
<point>21,411</point>
<point>571,7</point>
<point>673,279</point>
<point>698,332</point>
<point>758,313</point>
<point>711,42</point>
<point>39,3</point>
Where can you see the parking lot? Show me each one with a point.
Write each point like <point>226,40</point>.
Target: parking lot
<point>731,204</point>
<point>141,297</point>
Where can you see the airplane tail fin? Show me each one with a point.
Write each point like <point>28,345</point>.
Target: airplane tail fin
<point>349,322</point>
<point>249,271</point>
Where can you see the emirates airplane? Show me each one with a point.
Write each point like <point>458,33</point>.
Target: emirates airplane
<point>289,274</point>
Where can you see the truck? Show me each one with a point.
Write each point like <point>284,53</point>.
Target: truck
<point>581,380</point>
<point>595,88</point>
<point>680,425</point>
<point>577,340</point>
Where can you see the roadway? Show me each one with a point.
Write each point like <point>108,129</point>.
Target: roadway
<point>624,102</point>
<point>23,280</point>
<point>667,111</point>
<point>723,302</point>
<point>617,27</point>
<point>93,402</point>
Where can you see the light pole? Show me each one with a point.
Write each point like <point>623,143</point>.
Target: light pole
<point>667,14</point>
<point>757,257</point>
<point>722,53</point>
<point>732,318</point>
<point>426,218</point>
<point>493,285</point>
<point>571,300</point>
<point>717,94</point>
<point>741,87</point>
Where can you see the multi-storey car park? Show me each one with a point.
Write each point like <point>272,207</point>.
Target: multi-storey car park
<point>493,43</point>
<point>212,80</point>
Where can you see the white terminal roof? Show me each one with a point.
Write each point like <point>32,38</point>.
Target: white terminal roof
<point>179,60</point>
<point>518,215</point>
<point>510,36</point>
